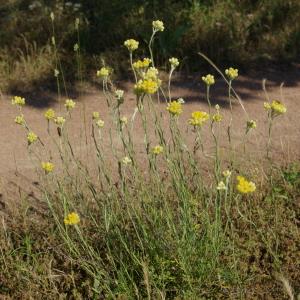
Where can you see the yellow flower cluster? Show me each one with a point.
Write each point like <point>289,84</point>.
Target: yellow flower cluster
<point>158,149</point>
<point>174,62</point>
<point>119,94</point>
<point>198,118</point>
<point>126,160</point>
<point>208,79</point>
<point>124,120</point>
<point>158,25</point>
<point>47,167</point>
<point>95,115</point>
<point>31,137</point>
<point>69,104</point>
<point>217,117</point>
<point>60,121</point>
<point>146,86</point>
<point>131,44</point>
<point>226,173</point>
<point>244,186</point>
<point>141,64</point>
<point>251,124</point>
<point>232,73</point>
<point>174,108</point>
<point>150,82</point>
<point>49,114</point>
<point>152,73</point>
<point>221,186</point>
<point>103,72</point>
<point>276,108</point>
<point>20,120</point>
<point>19,101</point>
<point>100,123</point>
<point>72,219</point>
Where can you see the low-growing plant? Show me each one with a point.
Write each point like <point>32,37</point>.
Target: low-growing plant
<point>153,223</point>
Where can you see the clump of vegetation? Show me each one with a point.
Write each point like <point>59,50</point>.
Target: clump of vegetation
<point>28,70</point>
<point>153,223</point>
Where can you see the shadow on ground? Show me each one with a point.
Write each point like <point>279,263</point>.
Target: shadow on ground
<point>189,87</point>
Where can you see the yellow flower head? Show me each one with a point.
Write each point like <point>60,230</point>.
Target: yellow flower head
<point>103,73</point>
<point>126,160</point>
<point>208,79</point>
<point>95,115</point>
<point>251,125</point>
<point>60,121</point>
<point>146,86</point>
<point>217,117</point>
<point>47,167</point>
<point>232,73</point>
<point>131,44</point>
<point>142,64</point>
<point>276,107</point>
<point>174,108</point>
<point>31,137</point>
<point>226,173</point>
<point>20,120</point>
<point>124,120</point>
<point>174,62</point>
<point>119,94</point>
<point>221,186</point>
<point>69,104</point>
<point>244,186</point>
<point>152,73</point>
<point>50,114</point>
<point>100,123</point>
<point>158,149</point>
<point>158,25</point>
<point>198,118</point>
<point>19,101</point>
<point>72,219</point>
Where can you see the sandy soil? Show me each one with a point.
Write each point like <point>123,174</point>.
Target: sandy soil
<point>16,167</point>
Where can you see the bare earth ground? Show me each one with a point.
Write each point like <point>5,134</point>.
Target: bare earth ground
<point>17,169</point>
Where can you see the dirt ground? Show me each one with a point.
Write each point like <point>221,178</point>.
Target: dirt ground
<point>16,166</point>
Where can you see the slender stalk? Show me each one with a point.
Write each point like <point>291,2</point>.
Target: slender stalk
<point>169,83</point>
<point>132,68</point>
<point>270,123</point>
<point>150,47</point>
<point>230,123</point>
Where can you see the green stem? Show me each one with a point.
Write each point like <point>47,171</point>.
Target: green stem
<point>270,120</point>
<point>150,47</point>
<point>131,63</point>
<point>169,83</point>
